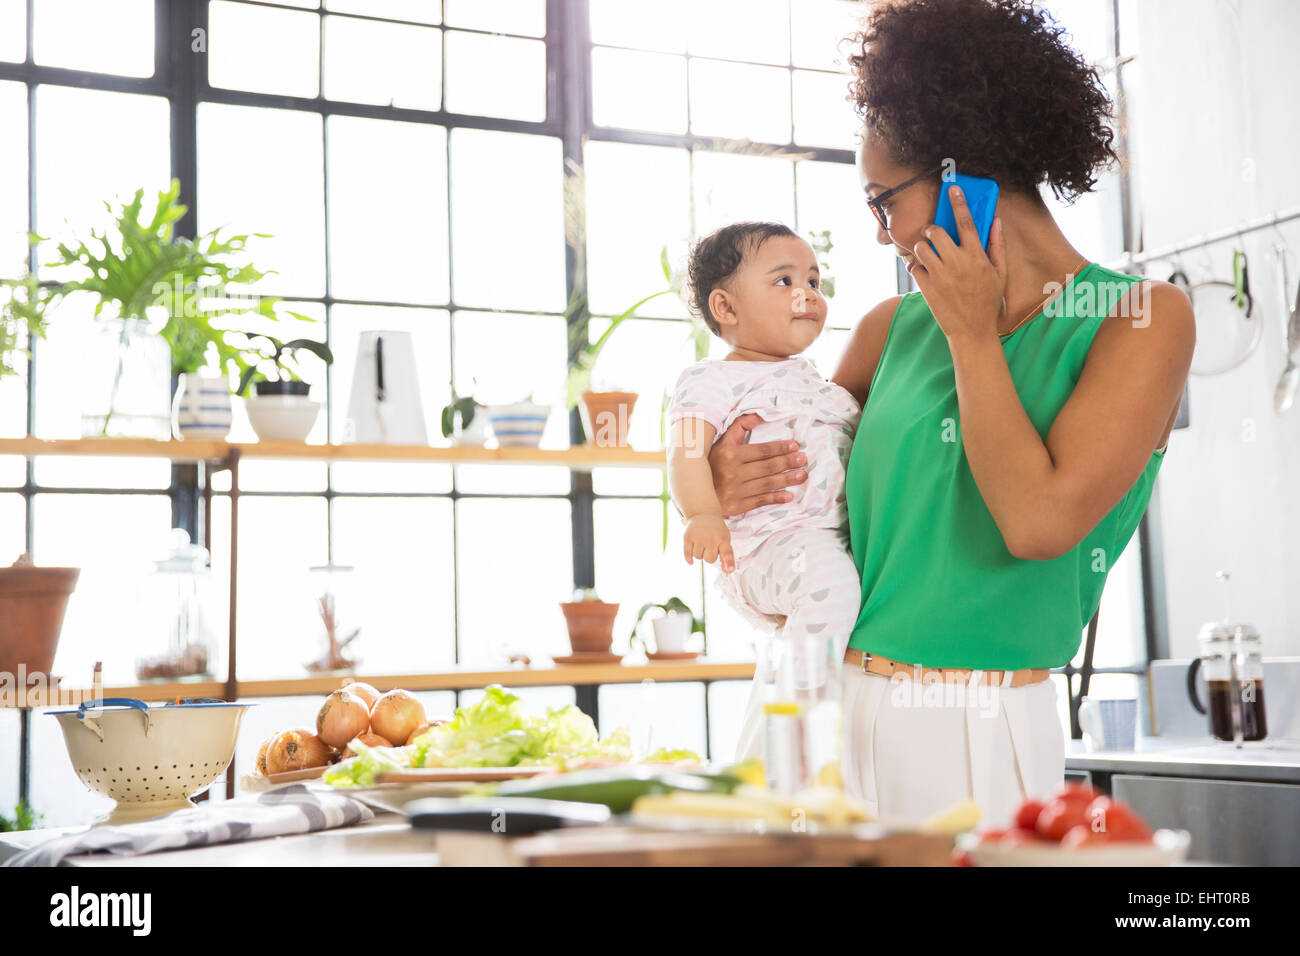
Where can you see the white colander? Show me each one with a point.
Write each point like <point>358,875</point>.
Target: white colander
<point>151,760</point>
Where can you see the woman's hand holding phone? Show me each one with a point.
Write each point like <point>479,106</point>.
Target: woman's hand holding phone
<point>963,285</point>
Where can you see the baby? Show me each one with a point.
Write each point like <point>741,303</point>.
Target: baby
<point>756,286</point>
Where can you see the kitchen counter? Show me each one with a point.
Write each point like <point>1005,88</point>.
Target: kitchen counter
<point>1269,760</point>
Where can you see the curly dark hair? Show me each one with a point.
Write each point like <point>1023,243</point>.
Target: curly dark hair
<point>991,84</point>
<point>716,257</point>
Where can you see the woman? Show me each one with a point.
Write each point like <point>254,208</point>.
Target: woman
<point>1015,411</point>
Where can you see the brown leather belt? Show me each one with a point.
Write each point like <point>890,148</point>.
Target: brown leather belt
<point>876,664</point>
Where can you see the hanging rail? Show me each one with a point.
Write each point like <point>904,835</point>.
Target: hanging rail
<point>1128,260</point>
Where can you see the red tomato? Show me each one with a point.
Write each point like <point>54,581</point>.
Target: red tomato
<point>1077,792</point>
<point>1028,813</point>
<point>1016,837</point>
<point>1082,836</point>
<point>1117,820</point>
<point>991,836</point>
<point>1058,817</point>
<point>961,858</point>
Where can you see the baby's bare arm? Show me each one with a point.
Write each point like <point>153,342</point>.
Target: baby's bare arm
<point>690,483</point>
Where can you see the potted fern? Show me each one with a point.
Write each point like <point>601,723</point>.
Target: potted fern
<point>280,409</point>
<point>157,295</point>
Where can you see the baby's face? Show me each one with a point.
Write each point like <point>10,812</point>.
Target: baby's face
<point>775,305</point>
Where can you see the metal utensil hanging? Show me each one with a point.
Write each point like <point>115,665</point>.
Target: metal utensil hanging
<point>1220,320</point>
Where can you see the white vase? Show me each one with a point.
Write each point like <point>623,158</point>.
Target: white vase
<point>202,407</point>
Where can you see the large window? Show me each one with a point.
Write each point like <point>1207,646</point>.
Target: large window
<point>415,162</point>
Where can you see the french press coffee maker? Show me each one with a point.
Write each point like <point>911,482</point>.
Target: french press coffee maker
<point>1231,660</point>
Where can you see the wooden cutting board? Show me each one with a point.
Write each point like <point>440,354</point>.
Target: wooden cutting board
<point>628,846</point>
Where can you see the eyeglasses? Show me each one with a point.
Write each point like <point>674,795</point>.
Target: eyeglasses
<point>875,204</point>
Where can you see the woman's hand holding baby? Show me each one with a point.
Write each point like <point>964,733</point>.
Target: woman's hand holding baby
<point>749,476</point>
<point>708,538</point>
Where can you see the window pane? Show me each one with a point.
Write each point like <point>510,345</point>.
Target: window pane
<point>631,569</point>
<point>730,187</point>
<point>388,210</point>
<point>496,76</point>
<point>390,64</point>
<point>114,539</point>
<point>103,36</point>
<point>822,114</point>
<point>821,29</point>
<point>644,356</point>
<point>638,90</point>
<point>644,27</point>
<point>276,188</point>
<point>13,179</point>
<point>12,467</point>
<point>427,329</point>
<point>727,701</point>
<point>754,30</point>
<point>763,113</point>
<point>655,715</point>
<point>638,201</point>
<point>279,540</point>
<point>507,220</point>
<point>522,17</point>
<point>419,11</point>
<point>75,170</point>
<point>516,566</point>
<point>13,525</point>
<point>263,50</point>
<point>13,31</point>
<point>830,198</point>
<point>630,481</point>
<point>403,594</point>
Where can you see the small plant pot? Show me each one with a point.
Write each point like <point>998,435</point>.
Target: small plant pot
<point>672,631</point>
<point>591,625</point>
<point>32,604</point>
<point>475,435</point>
<point>288,418</point>
<point>202,407</point>
<point>518,425</point>
<point>606,416</point>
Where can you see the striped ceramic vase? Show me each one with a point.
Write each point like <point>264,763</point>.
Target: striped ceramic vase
<point>202,406</point>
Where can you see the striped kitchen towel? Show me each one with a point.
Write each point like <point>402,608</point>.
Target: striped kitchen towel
<point>291,809</point>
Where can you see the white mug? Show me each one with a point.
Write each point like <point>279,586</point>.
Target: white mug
<point>672,631</point>
<point>1109,724</point>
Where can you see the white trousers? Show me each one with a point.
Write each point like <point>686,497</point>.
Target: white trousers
<point>912,749</point>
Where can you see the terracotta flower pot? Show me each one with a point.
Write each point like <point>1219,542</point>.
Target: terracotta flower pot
<point>591,624</point>
<point>32,603</point>
<point>605,417</point>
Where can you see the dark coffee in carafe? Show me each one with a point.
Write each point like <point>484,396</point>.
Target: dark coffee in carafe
<point>1251,702</point>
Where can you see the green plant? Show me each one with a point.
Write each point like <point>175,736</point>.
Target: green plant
<point>138,264</point>
<point>463,405</point>
<point>18,320</point>
<point>672,604</point>
<point>280,353</point>
<point>24,818</point>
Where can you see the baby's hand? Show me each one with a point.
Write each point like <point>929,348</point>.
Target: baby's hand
<point>708,538</point>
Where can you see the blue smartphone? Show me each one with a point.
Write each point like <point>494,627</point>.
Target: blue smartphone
<point>981,198</point>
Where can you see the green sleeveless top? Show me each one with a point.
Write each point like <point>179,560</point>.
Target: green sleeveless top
<point>939,587</point>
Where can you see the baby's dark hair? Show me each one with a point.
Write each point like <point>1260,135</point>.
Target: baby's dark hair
<point>716,257</point>
<point>991,84</point>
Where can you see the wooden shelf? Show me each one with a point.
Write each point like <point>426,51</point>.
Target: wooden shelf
<point>579,458</point>
<point>551,676</point>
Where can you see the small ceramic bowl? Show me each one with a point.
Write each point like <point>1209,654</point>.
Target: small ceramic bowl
<point>282,417</point>
<point>520,424</point>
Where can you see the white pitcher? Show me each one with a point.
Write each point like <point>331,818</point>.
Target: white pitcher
<point>385,406</point>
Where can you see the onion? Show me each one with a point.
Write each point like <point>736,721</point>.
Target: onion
<point>396,714</point>
<point>296,750</point>
<point>343,716</point>
<point>261,755</point>
<point>364,691</point>
<point>424,728</point>
<point>370,740</point>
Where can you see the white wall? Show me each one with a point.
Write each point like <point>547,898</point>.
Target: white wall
<point>1215,131</point>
